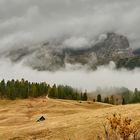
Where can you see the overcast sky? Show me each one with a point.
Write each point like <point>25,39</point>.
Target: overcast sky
<point>24,22</point>
<point>28,22</point>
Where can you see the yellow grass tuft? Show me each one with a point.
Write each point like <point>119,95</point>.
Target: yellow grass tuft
<point>117,128</point>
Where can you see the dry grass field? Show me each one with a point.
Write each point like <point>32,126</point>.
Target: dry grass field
<point>65,120</point>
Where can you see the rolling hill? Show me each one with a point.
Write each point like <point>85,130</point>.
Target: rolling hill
<point>65,119</point>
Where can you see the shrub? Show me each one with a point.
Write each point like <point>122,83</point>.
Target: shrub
<point>117,128</point>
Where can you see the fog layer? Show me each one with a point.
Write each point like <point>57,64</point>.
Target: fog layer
<point>104,76</point>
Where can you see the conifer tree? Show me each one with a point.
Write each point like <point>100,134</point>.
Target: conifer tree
<point>85,96</point>
<point>99,98</point>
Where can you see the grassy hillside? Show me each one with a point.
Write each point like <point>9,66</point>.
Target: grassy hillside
<point>64,119</point>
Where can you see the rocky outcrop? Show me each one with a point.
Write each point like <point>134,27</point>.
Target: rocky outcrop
<point>114,47</point>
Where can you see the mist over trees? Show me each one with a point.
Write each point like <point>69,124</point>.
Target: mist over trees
<point>23,89</point>
<point>127,96</point>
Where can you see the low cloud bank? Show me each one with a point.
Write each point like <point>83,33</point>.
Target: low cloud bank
<point>104,76</point>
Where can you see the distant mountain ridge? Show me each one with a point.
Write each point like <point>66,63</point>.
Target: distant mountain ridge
<point>129,63</point>
<point>52,57</point>
<point>136,51</point>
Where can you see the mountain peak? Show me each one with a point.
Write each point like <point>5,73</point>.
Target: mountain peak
<point>53,57</point>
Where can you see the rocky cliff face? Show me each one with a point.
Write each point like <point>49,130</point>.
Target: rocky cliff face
<point>114,47</point>
<point>55,56</point>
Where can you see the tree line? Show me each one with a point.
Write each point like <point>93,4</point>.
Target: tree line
<point>23,89</point>
<point>128,97</point>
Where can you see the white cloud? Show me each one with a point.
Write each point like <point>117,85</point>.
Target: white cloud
<point>76,42</point>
